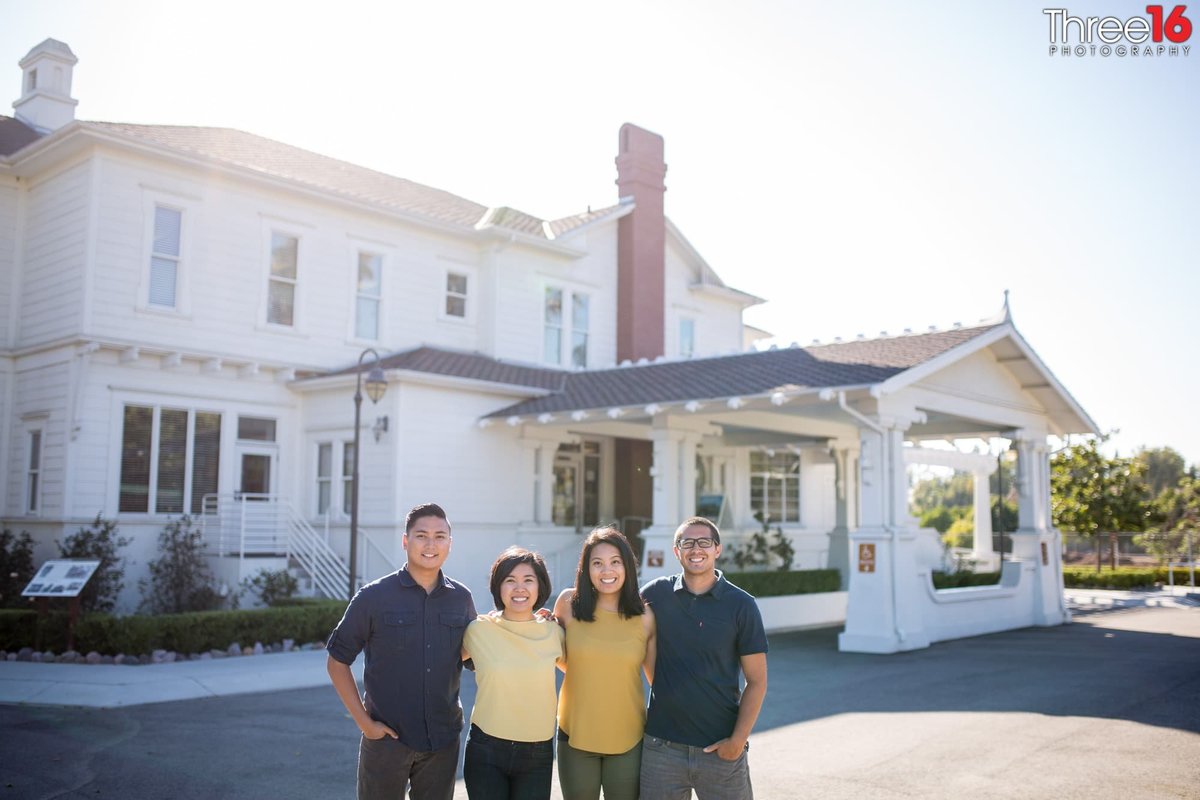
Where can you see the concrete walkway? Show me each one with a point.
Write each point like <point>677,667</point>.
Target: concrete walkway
<point>107,686</point>
<point>1104,707</point>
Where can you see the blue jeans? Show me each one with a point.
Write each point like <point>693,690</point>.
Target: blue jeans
<point>500,769</point>
<point>670,771</point>
<point>387,765</point>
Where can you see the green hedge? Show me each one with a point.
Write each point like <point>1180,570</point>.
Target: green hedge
<point>1122,578</point>
<point>774,584</point>
<point>957,580</point>
<point>183,633</point>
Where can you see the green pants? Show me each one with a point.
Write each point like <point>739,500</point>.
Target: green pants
<point>582,774</point>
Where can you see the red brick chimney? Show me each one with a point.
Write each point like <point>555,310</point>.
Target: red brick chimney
<point>641,245</point>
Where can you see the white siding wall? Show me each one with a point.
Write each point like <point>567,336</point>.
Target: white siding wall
<point>9,195</point>
<point>39,399</point>
<point>223,283</point>
<point>52,280</point>
<point>718,322</point>
<point>525,273</point>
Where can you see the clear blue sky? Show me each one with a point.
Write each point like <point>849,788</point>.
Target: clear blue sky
<point>868,167</point>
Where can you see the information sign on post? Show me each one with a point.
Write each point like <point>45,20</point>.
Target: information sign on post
<point>61,578</point>
<point>866,557</point>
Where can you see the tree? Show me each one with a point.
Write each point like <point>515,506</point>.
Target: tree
<point>1163,468</point>
<point>180,579</point>
<point>1092,494</point>
<point>98,542</point>
<point>1178,516</point>
<point>16,567</point>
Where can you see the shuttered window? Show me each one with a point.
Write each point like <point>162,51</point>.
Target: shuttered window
<point>164,257</point>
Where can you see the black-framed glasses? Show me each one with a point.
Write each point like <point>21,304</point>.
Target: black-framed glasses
<point>704,543</point>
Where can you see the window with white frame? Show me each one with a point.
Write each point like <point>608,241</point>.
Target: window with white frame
<point>165,257</point>
<point>281,285</point>
<point>687,337</point>
<point>579,329</point>
<point>456,295</point>
<point>368,294</point>
<point>33,477</point>
<point>560,332</point>
<point>347,475</point>
<point>775,484</point>
<point>170,459</point>
<point>324,476</point>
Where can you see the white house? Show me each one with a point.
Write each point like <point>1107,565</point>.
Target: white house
<point>186,312</point>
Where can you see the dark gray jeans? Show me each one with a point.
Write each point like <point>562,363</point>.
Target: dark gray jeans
<point>386,766</point>
<point>671,771</point>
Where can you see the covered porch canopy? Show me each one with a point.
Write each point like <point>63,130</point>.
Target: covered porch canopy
<point>859,403</point>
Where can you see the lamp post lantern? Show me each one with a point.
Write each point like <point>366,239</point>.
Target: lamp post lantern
<point>376,386</point>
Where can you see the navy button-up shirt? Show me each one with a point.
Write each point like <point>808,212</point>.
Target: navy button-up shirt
<point>700,641</point>
<point>412,642</point>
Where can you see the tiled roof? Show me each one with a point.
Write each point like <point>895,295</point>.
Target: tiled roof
<point>473,366</point>
<point>266,156</point>
<point>560,226</point>
<point>276,159</point>
<point>14,135</point>
<point>854,363</point>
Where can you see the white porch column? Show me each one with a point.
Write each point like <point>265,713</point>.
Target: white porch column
<point>844,505</point>
<point>982,550</point>
<point>882,615</point>
<point>545,482</point>
<point>687,475</point>
<point>1035,543</point>
<point>674,493</point>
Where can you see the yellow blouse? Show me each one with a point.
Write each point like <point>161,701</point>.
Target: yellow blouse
<point>515,674</point>
<point>602,706</point>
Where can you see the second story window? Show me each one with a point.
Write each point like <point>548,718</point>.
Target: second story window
<point>687,337</point>
<point>164,257</point>
<point>565,339</point>
<point>456,295</point>
<point>281,286</point>
<point>366,315</point>
<point>553,336</point>
<point>579,329</point>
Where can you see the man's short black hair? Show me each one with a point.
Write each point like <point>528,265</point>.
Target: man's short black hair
<point>704,521</point>
<point>509,560</point>
<point>424,510</point>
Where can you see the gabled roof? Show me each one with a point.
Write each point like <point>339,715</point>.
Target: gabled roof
<point>14,135</point>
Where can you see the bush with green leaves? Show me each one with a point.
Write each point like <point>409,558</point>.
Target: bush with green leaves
<point>271,586</point>
<point>762,548</point>
<point>194,632</point>
<point>958,580</point>
<point>777,583</point>
<point>16,567</point>
<point>180,579</point>
<point>99,541</point>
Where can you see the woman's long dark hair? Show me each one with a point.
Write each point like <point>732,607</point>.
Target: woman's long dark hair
<point>629,602</point>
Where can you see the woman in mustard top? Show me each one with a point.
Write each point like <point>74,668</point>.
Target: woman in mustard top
<point>610,643</point>
<point>510,748</point>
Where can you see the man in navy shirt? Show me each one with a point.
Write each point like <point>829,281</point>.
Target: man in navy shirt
<point>410,625</point>
<point>699,720</point>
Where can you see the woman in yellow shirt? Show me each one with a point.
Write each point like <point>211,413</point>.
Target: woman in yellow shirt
<point>510,748</point>
<point>610,643</point>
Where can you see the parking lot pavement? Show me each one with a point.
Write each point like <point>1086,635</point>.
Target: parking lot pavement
<point>1104,707</point>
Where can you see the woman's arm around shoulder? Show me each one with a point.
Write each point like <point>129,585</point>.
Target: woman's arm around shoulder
<point>562,613</point>
<point>651,628</point>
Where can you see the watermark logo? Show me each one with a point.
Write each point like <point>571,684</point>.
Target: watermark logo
<point>1161,33</point>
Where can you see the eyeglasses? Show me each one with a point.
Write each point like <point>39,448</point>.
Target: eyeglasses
<point>703,544</point>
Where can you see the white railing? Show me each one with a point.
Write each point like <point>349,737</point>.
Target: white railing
<point>266,525</point>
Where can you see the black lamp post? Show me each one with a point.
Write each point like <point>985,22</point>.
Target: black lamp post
<point>376,386</point>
